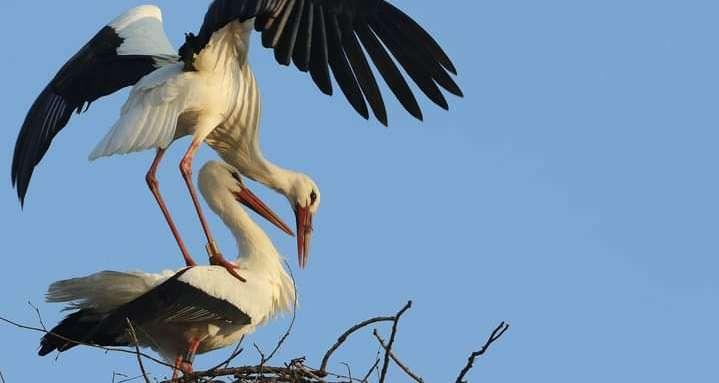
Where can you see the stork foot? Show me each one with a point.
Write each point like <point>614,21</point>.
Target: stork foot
<point>216,259</point>
<point>186,367</point>
<point>181,365</point>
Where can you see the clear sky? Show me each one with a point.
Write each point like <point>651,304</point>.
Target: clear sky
<point>573,193</point>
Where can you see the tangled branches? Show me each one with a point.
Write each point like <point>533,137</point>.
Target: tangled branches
<point>296,370</point>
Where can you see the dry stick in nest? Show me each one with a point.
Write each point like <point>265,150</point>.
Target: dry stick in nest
<point>295,371</point>
<point>309,373</point>
<point>396,359</point>
<point>388,349</point>
<point>496,334</point>
<point>371,369</point>
<point>133,335</point>
<point>77,342</point>
<point>357,327</point>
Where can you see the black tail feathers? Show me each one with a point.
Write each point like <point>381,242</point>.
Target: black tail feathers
<point>75,328</point>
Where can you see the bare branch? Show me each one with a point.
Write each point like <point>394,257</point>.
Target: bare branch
<point>349,370</point>
<point>292,322</point>
<point>66,339</point>
<point>371,369</point>
<point>131,379</point>
<point>249,372</point>
<point>496,334</point>
<point>116,374</point>
<point>238,350</point>
<point>259,351</point>
<point>392,336</point>
<point>133,334</point>
<point>396,359</point>
<point>346,334</point>
<point>39,316</point>
<point>293,372</point>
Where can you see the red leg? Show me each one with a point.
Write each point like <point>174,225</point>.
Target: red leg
<point>151,179</point>
<point>216,257</point>
<point>176,369</point>
<point>188,360</point>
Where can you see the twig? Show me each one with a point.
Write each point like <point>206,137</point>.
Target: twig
<point>262,358</point>
<point>116,374</point>
<point>232,357</point>
<point>259,351</point>
<point>2,378</point>
<point>130,379</point>
<point>133,334</point>
<point>396,359</point>
<point>346,334</point>
<point>66,339</point>
<point>349,371</point>
<point>292,322</point>
<point>496,334</point>
<point>251,371</point>
<point>39,316</point>
<point>371,369</point>
<point>392,336</point>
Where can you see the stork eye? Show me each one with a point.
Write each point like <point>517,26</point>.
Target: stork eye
<point>313,197</point>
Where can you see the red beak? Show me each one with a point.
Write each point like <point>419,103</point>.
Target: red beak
<point>304,234</point>
<point>249,199</point>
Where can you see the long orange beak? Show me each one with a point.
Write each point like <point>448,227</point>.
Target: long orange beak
<point>249,199</point>
<point>304,234</point>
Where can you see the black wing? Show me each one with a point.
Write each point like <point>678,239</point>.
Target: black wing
<point>323,36</point>
<point>174,301</point>
<point>97,70</point>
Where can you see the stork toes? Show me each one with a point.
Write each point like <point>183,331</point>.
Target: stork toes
<point>216,259</point>
<point>219,260</point>
<point>181,366</point>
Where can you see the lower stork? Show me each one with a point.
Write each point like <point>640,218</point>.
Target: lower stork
<point>193,311</point>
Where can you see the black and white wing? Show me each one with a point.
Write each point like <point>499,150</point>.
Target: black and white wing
<point>173,302</point>
<point>179,301</point>
<point>119,55</point>
<point>323,36</point>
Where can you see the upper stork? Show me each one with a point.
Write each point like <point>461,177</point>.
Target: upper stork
<point>210,92</point>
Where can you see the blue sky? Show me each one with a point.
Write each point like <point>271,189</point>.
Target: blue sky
<point>571,193</point>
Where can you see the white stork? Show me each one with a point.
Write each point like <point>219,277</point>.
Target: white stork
<point>211,93</point>
<point>195,310</point>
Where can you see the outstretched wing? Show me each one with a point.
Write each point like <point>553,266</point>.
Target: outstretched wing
<point>323,36</point>
<point>120,54</point>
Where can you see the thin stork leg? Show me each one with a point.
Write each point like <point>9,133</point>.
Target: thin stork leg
<point>189,358</point>
<point>216,257</point>
<point>154,185</point>
<point>177,368</point>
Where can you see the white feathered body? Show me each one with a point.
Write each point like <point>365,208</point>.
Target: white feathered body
<point>262,298</point>
<point>268,291</point>
<point>219,102</point>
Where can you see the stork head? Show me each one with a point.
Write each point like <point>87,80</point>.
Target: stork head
<point>217,178</point>
<point>304,197</point>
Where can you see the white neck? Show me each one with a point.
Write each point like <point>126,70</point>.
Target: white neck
<point>257,256</point>
<point>263,171</point>
<point>255,249</point>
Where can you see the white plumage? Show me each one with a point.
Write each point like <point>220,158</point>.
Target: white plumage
<point>201,308</point>
<point>219,103</point>
<point>149,117</point>
<point>143,33</point>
